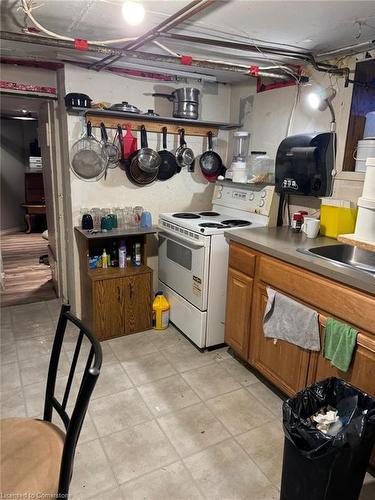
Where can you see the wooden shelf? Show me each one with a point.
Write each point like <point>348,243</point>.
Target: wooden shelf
<point>117,233</point>
<point>116,272</point>
<point>112,119</point>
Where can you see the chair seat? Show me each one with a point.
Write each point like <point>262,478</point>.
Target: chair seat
<point>31,452</point>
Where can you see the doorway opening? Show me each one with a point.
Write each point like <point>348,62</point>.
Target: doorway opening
<point>26,252</point>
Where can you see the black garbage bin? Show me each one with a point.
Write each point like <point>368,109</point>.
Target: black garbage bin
<point>317,466</point>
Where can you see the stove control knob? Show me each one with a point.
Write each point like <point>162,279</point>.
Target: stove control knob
<point>261,203</point>
<point>202,230</point>
<point>251,196</point>
<point>263,194</point>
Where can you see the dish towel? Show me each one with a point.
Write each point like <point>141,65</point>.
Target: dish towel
<point>286,319</point>
<point>339,343</point>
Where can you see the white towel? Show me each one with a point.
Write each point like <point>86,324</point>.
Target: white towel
<point>286,319</point>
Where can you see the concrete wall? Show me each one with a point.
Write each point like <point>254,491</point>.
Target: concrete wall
<point>185,191</point>
<point>28,75</point>
<point>15,138</point>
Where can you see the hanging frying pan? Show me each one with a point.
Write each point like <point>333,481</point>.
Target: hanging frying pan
<point>168,166</point>
<point>184,155</point>
<point>88,159</point>
<point>148,159</point>
<point>210,162</point>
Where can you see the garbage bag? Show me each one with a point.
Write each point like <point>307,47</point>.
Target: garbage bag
<point>307,438</point>
<point>318,466</point>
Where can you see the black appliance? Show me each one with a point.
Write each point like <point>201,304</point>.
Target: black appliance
<point>304,164</point>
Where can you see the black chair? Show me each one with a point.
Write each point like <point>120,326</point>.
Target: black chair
<point>37,456</point>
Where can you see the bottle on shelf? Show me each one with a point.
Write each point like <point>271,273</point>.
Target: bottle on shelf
<point>114,255</point>
<point>137,260</point>
<point>122,255</point>
<point>104,260</point>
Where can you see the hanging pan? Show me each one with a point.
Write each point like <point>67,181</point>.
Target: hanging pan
<point>184,155</point>
<point>148,159</point>
<point>110,149</point>
<point>168,166</point>
<point>210,162</point>
<point>88,159</point>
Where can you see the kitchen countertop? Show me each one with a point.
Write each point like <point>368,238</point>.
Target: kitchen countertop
<point>282,243</point>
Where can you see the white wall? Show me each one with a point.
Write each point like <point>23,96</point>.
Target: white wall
<point>28,75</point>
<point>185,191</point>
<point>15,138</point>
<point>268,114</point>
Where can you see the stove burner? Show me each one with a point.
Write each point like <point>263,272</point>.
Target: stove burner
<point>186,215</point>
<point>211,224</point>
<point>209,214</point>
<point>236,222</point>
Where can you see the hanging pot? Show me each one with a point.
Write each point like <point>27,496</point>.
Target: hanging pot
<point>184,155</point>
<point>148,159</point>
<point>168,166</point>
<point>185,102</point>
<point>210,162</point>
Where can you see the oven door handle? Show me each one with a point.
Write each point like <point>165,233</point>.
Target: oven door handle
<point>196,244</point>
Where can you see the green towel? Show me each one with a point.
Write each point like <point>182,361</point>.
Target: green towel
<point>339,342</point>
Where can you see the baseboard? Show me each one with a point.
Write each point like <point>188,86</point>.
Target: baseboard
<point>11,230</point>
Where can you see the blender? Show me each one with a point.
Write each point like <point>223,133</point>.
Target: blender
<point>238,171</point>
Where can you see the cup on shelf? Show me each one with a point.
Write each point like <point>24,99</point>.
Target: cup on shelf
<point>106,223</point>
<point>146,220</point>
<point>311,227</point>
<point>137,214</point>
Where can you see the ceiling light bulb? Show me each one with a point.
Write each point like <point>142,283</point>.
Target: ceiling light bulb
<point>133,12</point>
<point>314,100</point>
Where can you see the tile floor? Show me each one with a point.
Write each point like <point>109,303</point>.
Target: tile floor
<point>165,421</point>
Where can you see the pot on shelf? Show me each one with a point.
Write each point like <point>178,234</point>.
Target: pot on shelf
<point>185,102</point>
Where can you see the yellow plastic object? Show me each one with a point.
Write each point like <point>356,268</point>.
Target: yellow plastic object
<point>160,312</point>
<point>337,220</point>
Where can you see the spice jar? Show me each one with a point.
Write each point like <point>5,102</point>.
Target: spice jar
<point>297,222</point>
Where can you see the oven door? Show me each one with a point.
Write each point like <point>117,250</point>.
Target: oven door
<point>183,266</point>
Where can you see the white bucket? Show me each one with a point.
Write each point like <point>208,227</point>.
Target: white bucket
<point>365,225</point>
<point>369,125</point>
<point>365,149</point>
<point>369,184</point>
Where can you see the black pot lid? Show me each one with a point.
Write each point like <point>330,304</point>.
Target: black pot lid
<point>236,222</point>
<point>186,215</point>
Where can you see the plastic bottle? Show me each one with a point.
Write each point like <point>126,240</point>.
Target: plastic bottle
<point>122,254</point>
<point>160,312</point>
<point>137,260</point>
<point>104,260</point>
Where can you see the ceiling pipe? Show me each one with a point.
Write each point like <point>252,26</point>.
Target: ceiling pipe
<point>348,50</point>
<point>136,55</point>
<point>303,56</point>
<point>172,21</point>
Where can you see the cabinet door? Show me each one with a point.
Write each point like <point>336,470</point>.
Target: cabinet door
<point>284,364</point>
<point>137,303</point>
<point>108,308</point>
<point>238,311</point>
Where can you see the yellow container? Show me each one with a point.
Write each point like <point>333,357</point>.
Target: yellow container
<point>160,312</point>
<point>337,220</point>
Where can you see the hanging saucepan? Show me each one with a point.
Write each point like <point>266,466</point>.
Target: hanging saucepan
<point>185,102</point>
<point>88,159</point>
<point>168,166</point>
<point>148,159</point>
<point>184,155</point>
<point>110,149</point>
<point>210,161</point>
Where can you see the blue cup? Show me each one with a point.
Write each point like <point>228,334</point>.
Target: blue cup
<point>146,220</point>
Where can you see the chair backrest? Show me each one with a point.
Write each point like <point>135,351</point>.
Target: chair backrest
<point>89,377</point>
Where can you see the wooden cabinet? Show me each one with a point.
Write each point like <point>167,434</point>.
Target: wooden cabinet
<point>284,364</point>
<point>114,301</point>
<point>137,302</point>
<point>238,310</point>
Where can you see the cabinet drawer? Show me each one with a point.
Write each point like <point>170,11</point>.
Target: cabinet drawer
<point>242,259</point>
<point>349,305</point>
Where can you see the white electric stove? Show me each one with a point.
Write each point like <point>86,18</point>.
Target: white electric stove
<point>193,256</point>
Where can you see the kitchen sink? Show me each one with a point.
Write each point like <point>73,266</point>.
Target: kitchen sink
<point>344,255</point>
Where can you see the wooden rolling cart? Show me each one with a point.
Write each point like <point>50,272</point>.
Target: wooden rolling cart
<point>115,301</point>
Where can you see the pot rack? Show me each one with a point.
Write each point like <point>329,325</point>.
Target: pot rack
<point>112,119</point>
